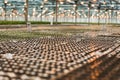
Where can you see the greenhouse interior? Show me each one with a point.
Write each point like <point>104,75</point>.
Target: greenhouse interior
<point>59,39</point>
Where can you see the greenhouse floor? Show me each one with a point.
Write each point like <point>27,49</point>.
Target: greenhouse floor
<point>60,53</point>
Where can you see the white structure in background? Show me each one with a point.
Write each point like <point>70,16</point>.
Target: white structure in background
<point>52,19</point>
<point>29,27</point>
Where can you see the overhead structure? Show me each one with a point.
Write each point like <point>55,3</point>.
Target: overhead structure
<point>61,10</point>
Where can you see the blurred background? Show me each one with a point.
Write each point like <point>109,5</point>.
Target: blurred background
<point>75,11</point>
